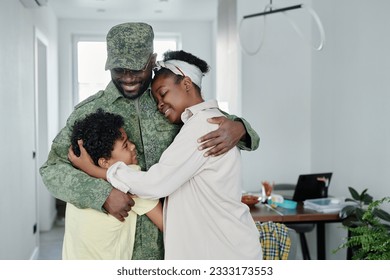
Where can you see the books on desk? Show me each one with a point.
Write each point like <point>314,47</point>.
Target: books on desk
<point>325,205</point>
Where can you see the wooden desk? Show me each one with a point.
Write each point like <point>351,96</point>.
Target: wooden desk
<point>262,213</point>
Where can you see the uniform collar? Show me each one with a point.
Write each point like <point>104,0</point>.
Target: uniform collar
<point>114,93</point>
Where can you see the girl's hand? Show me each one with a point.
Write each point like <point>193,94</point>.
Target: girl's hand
<point>83,160</point>
<point>85,163</point>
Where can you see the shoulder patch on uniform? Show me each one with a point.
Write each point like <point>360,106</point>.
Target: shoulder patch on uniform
<point>89,99</point>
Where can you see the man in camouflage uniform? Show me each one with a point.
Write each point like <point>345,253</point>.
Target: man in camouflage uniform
<point>130,60</point>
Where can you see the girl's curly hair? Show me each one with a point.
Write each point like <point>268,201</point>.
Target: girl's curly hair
<point>183,56</point>
<point>187,57</point>
<point>99,131</point>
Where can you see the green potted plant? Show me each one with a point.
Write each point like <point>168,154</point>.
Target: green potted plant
<point>356,206</point>
<point>368,227</point>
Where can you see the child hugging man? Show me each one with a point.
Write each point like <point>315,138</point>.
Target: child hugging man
<point>90,234</point>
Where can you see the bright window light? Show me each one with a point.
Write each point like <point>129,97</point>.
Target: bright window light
<point>91,61</point>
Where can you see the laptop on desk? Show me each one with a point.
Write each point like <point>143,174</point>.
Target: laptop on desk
<point>310,186</point>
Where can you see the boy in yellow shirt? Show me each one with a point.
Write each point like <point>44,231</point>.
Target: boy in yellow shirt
<point>90,234</point>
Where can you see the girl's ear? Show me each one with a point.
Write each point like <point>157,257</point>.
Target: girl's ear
<point>187,83</point>
<point>103,163</point>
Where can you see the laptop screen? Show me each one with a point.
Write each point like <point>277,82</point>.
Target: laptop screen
<point>312,186</point>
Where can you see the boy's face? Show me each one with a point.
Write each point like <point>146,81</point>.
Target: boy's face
<point>124,150</point>
<point>172,99</point>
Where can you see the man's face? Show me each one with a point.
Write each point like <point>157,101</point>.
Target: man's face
<point>133,83</point>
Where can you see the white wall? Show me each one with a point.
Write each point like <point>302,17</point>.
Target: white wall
<point>228,52</point>
<point>351,100</point>
<point>350,131</point>
<point>197,38</point>
<point>18,200</point>
<point>321,111</point>
<point>275,95</point>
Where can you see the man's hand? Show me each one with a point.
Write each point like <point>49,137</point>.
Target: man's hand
<point>118,204</point>
<point>224,138</point>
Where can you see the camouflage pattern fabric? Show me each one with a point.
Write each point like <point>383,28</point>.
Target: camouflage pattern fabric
<point>129,45</point>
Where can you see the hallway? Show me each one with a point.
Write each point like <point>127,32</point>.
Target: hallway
<point>51,242</point>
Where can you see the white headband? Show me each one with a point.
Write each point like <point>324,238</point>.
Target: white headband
<point>182,68</point>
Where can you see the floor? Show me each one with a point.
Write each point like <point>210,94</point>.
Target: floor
<point>51,242</point>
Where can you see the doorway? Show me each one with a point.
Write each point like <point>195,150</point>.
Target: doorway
<point>46,210</point>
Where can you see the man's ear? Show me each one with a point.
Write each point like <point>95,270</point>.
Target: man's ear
<point>103,163</point>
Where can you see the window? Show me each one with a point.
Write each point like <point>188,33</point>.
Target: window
<point>91,76</point>
<point>163,43</point>
<point>90,60</point>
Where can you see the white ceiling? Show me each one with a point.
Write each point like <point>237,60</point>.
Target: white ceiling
<point>133,10</point>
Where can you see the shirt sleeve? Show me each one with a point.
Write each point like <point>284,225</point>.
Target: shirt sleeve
<point>143,206</point>
<point>124,187</point>
<point>252,138</point>
<point>179,162</point>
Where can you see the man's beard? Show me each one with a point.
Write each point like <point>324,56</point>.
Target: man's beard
<point>131,96</point>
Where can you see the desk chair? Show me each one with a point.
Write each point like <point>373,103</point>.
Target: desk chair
<point>301,229</point>
<point>294,244</point>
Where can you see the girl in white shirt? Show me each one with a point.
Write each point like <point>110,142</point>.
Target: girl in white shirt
<point>203,214</point>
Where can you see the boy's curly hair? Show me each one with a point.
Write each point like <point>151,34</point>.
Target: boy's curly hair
<point>99,131</point>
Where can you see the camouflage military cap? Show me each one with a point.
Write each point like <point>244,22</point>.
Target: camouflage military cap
<point>129,45</point>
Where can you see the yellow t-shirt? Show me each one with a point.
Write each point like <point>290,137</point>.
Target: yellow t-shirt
<point>93,235</point>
